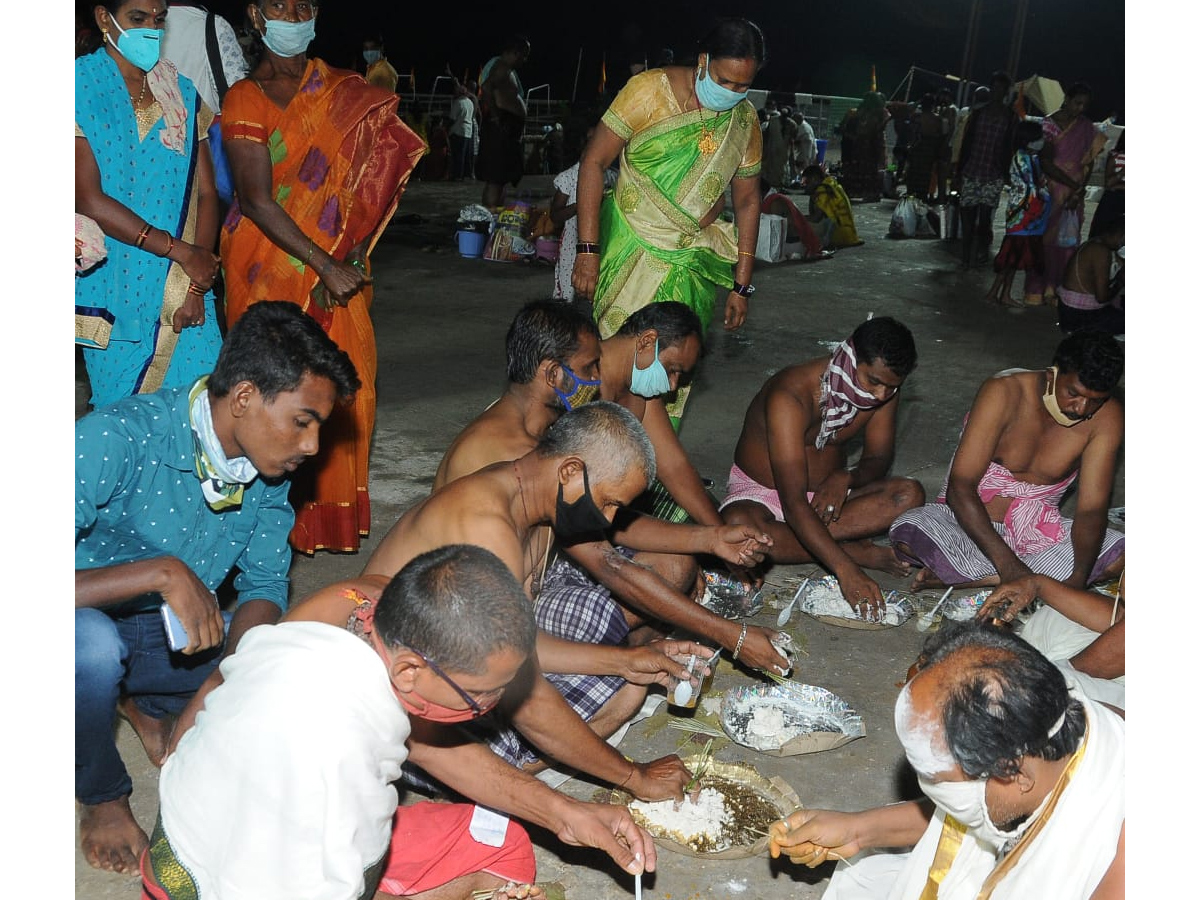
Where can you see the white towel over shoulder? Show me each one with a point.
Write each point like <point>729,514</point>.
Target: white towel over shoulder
<point>282,789</point>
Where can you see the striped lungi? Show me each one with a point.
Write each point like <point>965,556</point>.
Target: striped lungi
<point>936,541</point>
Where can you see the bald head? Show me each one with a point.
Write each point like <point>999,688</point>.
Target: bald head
<point>982,699</point>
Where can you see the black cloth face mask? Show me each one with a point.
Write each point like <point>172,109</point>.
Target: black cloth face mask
<point>581,519</point>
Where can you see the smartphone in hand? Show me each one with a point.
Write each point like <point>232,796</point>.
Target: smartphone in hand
<point>177,638</point>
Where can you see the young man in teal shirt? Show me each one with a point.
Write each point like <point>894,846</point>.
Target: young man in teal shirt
<point>173,491</point>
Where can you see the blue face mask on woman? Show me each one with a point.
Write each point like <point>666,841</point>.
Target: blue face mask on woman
<point>372,56</point>
<point>712,95</point>
<point>140,46</point>
<point>288,39</point>
<point>651,381</point>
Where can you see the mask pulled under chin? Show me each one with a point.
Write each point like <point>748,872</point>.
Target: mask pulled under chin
<point>652,381</point>
<point>1050,401</point>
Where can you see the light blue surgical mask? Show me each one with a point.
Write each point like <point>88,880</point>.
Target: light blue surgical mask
<point>651,381</point>
<point>713,96</point>
<point>1036,146</point>
<point>288,39</point>
<point>141,46</point>
<point>372,56</point>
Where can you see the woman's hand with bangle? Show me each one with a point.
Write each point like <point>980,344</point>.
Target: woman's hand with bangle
<point>198,264</point>
<point>191,313</point>
<point>585,274</point>
<point>342,280</point>
<point>736,308</point>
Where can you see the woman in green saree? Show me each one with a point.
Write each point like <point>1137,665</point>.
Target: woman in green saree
<point>684,135</point>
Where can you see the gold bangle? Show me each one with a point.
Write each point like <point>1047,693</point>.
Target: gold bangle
<point>745,253</point>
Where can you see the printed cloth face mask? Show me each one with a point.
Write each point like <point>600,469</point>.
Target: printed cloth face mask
<point>582,391</point>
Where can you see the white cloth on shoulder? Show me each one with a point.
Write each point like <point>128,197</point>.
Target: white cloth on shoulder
<point>283,788</point>
<point>1059,639</point>
<point>1065,860</point>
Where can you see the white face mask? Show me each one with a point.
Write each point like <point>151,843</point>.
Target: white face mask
<point>966,801</point>
<point>962,799</point>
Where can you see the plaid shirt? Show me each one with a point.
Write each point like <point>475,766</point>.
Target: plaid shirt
<point>986,152</point>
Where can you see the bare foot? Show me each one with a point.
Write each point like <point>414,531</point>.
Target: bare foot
<point>926,581</point>
<point>110,837</point>
<point>881,557</point>
<point>155,734</point>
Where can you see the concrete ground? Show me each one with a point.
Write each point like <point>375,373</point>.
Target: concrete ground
<point>441,321</point>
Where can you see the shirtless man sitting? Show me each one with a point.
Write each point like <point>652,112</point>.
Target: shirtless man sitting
<point>1027,438</point>
<point>590,463</point>
<point>790,476</point>
<point>557,362</point>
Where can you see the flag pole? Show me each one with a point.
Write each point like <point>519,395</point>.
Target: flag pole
<point>577,65</point>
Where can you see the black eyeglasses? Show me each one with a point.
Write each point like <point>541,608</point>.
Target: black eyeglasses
<point>476,708</point>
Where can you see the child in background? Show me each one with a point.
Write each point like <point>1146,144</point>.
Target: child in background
<point>1025,219</point>
<point>562,213</point>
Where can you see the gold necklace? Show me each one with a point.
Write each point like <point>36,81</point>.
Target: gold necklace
<point>708,141</point>
<point>148,114</point>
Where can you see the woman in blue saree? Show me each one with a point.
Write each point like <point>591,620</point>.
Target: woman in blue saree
<point>145,316</point>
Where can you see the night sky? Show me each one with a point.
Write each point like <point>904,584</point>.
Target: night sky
<point>812,47</point>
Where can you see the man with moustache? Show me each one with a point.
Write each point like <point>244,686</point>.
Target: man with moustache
<point>1028,437</point>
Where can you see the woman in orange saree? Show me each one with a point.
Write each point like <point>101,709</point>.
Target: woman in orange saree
<point>319,160</point>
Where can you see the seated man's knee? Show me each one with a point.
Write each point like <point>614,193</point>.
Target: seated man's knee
<point>906,494</point>
<point>99,650</point>
<point>678,570</point>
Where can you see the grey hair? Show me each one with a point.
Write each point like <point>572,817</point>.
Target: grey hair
<point>607,437</point>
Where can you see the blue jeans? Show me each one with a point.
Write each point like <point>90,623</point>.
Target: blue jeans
<point>119,654</point>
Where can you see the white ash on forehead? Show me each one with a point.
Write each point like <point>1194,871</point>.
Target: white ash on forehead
<point>706,818</point>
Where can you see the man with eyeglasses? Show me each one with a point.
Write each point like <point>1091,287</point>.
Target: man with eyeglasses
<point>284,786</point>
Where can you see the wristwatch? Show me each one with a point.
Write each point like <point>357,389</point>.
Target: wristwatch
<point>745,290</point>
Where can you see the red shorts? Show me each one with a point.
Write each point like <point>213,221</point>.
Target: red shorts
<point>431,845</point>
